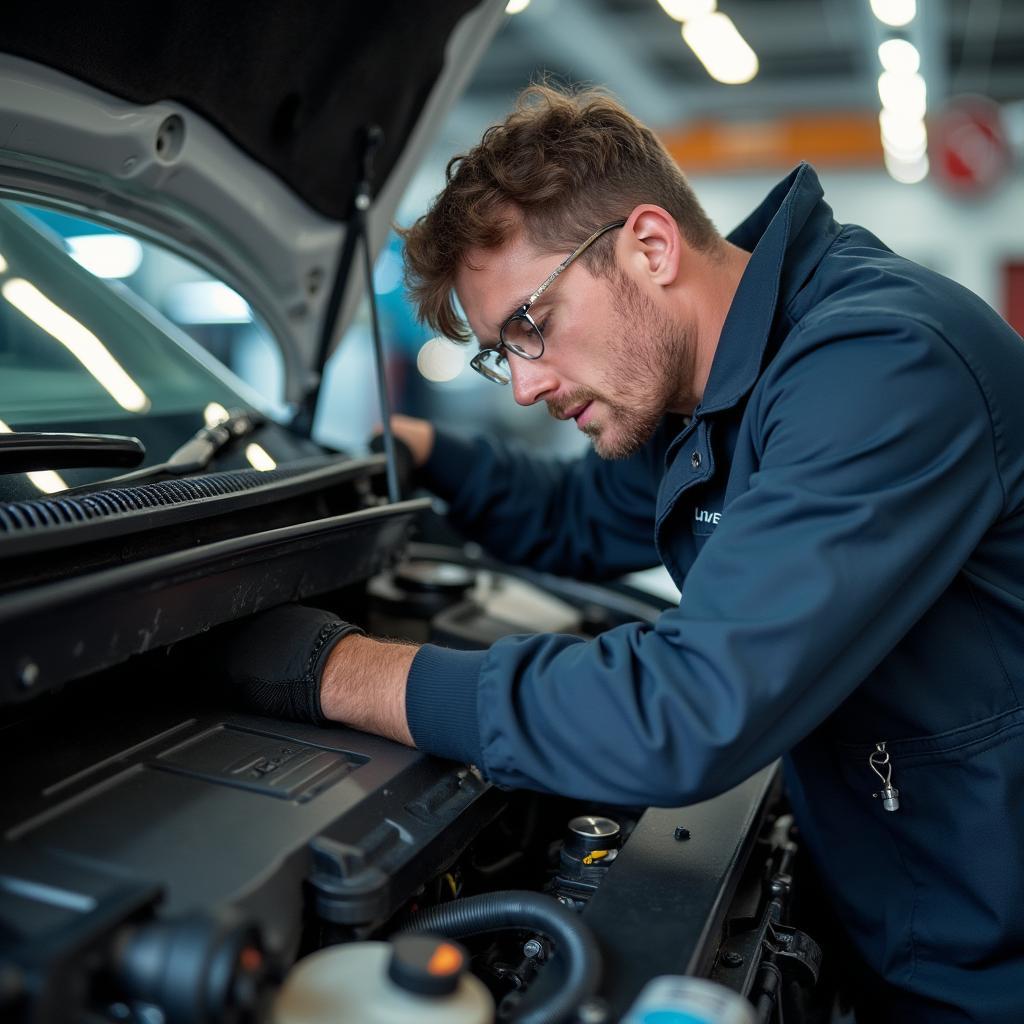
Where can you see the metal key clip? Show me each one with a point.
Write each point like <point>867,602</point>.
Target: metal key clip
<point>881,764</point>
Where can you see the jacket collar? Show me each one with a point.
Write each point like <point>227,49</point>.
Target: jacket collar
<point>787,235</point>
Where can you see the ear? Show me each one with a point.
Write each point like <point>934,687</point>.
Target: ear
<point>654,243</point>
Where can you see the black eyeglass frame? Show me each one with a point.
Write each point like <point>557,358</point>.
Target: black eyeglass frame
<point>478,362</point>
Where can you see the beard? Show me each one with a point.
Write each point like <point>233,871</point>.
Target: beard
<point>649,354</point>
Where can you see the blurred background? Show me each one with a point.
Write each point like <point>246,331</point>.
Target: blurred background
<point>912,112</point>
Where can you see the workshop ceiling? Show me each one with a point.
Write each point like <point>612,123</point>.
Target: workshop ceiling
<point>815,56</point>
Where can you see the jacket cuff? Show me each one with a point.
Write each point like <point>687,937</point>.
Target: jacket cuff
<point>441,705</point>
<point>450,460</point>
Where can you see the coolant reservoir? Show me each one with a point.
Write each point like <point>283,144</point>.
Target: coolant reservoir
<point>417,979</point>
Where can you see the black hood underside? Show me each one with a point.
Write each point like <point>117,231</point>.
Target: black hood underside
<point>293,84</point>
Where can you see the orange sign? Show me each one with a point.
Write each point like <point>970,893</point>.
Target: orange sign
<point>840,139</point>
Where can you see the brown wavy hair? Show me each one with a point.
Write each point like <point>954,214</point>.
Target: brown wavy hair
<point>561,165</point>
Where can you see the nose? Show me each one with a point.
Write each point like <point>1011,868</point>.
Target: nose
<point>532,379</point>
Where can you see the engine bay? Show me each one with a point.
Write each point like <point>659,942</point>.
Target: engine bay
<point>167,858</point>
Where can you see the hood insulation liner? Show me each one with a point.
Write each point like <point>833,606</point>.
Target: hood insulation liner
<point>293,85</point>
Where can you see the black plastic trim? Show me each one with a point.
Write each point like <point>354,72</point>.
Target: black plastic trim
<point>62,631</point>
<point>662,907</point>
<point>278,484</point>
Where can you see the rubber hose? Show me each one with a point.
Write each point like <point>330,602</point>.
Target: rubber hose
<point>497,911</point>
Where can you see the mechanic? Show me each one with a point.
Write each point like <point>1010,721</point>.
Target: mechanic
<point>823,443</point>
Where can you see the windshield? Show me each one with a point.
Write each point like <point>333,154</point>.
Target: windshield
<point>77,354</point>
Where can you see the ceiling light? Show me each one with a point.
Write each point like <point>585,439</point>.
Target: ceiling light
<point>206,302</point>
<point>259,458</point>
<point>899,56</point>
<point>720,48</point>
<point>906,138</point>
<point>48,481</point>
<point>684,10</point>
<point>44,479</point>
<point>896,13</point>
<point>78,340</point>
<point>904,95</point>
<point>907,172</point>
<point>3,263</point>
<point>106,255</point>
<point>516,6</point>
<point>440,360</point>
<point>215,414</point>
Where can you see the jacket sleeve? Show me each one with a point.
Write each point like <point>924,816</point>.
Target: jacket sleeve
<point>878,477</point>
<point>588,517</point>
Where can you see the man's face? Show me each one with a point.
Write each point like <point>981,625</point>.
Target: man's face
<point>612,359</point>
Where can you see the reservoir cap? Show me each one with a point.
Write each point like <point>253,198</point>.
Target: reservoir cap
<point>426,965</point>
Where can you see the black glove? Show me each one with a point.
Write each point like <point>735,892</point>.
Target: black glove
<point>405,465</point>
<point>273,661</point>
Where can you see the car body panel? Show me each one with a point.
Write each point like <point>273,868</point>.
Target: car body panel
<point>264,208</point>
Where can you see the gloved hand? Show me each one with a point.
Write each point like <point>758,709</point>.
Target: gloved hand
<point>414,441</point>
<point>405,463</point>
<point>273,661</point>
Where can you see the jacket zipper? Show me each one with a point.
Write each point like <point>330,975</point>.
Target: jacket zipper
<point>880,762</point>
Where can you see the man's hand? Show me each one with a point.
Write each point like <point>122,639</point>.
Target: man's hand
<point>364,686</point>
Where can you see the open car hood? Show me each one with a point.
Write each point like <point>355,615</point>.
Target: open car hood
<point>233,132</point>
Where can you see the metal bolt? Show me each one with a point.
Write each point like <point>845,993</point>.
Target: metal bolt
<point>732,959</point>
<point>533,949</point>
<point>695,460</point>
<point>28,674</point>
<point>681,834</point>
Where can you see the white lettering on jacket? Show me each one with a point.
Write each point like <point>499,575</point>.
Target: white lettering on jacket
<point>702,515</point>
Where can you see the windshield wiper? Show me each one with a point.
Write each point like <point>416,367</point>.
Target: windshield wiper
<point>31,451</point>
<point>198,451</point>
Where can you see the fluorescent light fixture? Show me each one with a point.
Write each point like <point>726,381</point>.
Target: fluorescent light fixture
<point>206,302</point>
<point>684,10</point>
<point>516,6</point>
<point>899,56</point>
<point>48,481</point>
<point>45,479</point>
<point>720,48</point>
<point>905,138</point>
<point>440,360</point>
<point>106,255</point>
<point>907,172</point>
<point>78,340</point>
<point>3,264</point>
<point>895,13</point>
<point>259,458</point>
<point>904,95</point>
<point>215,413</point>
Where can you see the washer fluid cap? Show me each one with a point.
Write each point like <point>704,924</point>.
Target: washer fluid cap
<point>426,964</point>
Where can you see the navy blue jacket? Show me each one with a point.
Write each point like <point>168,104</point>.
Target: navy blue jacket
<point>843,516</point>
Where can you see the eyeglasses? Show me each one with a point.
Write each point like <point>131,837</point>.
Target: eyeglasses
<point>519,334</point>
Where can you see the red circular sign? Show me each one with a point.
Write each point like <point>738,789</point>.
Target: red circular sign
<point>969,151</point>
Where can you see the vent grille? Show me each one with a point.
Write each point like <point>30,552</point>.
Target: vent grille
<point>20,516</point>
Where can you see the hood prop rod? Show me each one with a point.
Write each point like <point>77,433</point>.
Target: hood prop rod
<point>359,231</point>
